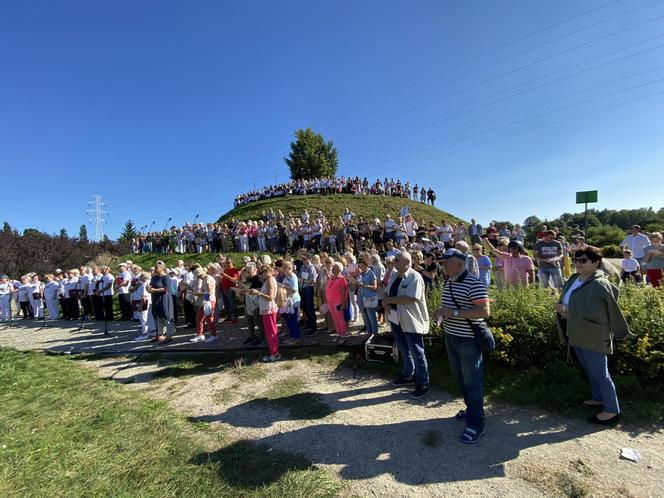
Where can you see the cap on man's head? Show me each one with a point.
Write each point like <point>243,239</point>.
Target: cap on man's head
<point>454,253</point>
<point>636,226</point>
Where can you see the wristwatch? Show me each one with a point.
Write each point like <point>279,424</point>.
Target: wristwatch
<point>455,313</point>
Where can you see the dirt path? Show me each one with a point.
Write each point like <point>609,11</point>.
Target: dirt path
<point>383,444</point>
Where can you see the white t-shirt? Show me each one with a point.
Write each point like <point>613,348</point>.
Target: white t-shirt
<point>575,285</point>
<point>445,233</point>
<point>107,280</point>
<point>629,265</point>
<point>126,277</point>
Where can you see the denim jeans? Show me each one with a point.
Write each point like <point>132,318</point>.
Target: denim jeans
<point>596,366</point>
<point>292,323</point>
<point>308,307</point>
<point>467,366</point>
<point>228,295</point>
<point>370,319</point>
<point>414,361</point>
<point>551,276</point>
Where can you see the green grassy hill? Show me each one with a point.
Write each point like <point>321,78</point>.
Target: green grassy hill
<point>371,206</point>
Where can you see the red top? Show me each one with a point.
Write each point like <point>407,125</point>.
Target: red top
<point>231,272</point>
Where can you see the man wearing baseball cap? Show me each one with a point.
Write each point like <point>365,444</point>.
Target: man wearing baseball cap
<point>465,304</point>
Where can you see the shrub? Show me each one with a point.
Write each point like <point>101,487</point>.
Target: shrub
<point>612,251</point>
<point>642,355</point>
<point>524,324</point>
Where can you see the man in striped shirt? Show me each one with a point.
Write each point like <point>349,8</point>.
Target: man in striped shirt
<point>465,304</point>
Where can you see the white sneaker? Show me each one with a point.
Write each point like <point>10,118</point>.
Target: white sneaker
<point>198,338</point>
<point>212,338</point>
<point>142,338</point>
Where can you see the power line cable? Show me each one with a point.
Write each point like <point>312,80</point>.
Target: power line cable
<point>465,62</point>
<point>392,134</point>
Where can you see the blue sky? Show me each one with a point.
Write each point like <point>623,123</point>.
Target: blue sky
<point>169,109</point>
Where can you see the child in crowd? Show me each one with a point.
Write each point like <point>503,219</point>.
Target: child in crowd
<point>631,271</point>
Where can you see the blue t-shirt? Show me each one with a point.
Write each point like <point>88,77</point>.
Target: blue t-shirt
<point>368,278</point>
<point>485,269</point>
<point>291,282</point>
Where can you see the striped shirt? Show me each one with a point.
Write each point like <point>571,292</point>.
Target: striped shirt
<point>469,291</point>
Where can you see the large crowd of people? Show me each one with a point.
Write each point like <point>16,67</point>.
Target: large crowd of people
<point>374,273</point>
<point>341,185</point>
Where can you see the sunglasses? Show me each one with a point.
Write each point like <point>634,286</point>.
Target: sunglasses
<point>580,260</point>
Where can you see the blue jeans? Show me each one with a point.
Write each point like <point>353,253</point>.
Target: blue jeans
<point>414,361</point>
<point>467,366</point>
<point>291,322</point>
<point>551,275</point>
<point>370,319</point>
<point>596,366</point>
<point>308,307</point>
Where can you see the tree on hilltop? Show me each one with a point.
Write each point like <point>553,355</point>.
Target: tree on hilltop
<point>128,233</point>
<point>83,233</point>
<point>311,156</point>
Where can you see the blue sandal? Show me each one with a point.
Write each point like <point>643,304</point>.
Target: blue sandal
<point>470,435</point>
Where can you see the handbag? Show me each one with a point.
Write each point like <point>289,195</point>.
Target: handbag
<point>281,297</point>
<point>370,302</point>
<point>484,339</point>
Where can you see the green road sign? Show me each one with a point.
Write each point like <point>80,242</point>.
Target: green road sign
<point>586,197</point>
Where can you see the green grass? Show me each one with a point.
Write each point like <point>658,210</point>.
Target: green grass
<point>370,207</point>
<point>65,432</point>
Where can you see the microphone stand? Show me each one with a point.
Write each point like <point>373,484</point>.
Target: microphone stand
<point>103,304</point>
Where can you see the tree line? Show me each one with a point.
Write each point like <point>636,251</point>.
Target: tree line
<point>37,251</point>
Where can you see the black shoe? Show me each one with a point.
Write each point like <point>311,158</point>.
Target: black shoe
<point>419,392</point>
<point>311,332</point>
<point>610,421</point>
<point>403,381</point>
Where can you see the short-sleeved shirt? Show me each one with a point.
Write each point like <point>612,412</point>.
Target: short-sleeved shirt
<point>469,291</point>
<point>367,278</point>
<point>291,282</point>
<point>548,250</point>
<point>227,283</point>
<point>629,265</point>
<point>637,243</point>
<point>413,317</point>
<point>656,261</point>
<point>516,269</point>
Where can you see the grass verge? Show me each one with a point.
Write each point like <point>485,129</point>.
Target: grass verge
<point>65,432</point>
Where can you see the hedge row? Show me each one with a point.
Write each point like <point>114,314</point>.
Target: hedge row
<point>524,324</point>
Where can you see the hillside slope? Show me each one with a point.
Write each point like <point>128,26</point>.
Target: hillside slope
<point>370,207</point>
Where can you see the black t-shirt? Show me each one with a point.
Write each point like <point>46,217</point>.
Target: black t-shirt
<point>254,282</point>
<point>432,267</point>
<point>394,290</point>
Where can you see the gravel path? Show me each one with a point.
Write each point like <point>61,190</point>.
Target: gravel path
<point>379,441</point>
<point>68,336</point>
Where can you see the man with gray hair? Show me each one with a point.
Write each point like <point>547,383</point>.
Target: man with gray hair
<point>406,308</point>
<point>465,304</point>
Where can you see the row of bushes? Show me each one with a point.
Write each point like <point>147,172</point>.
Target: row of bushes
<point>524,324</point>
